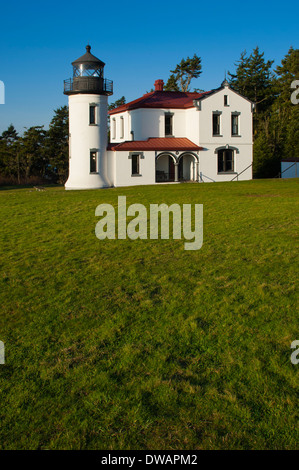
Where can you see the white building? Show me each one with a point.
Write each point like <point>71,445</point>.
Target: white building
<point>160,137</point>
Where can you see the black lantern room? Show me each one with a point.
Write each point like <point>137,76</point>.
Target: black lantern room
<point>88,77</point>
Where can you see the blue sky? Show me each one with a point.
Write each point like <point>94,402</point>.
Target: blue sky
<point>139,42</point>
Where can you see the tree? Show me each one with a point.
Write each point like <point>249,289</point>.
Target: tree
<point>117,103</point>
<point>9,153</point>
<point>182,75</point>
<point>33,159</point>
<point>254,79</point>
<point>172,84</point>
<point>286,73</point>
<point>277,129</point>
<point>57,146</point>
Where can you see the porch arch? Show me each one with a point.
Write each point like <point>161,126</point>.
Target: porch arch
<point>188,166</point>
<point>166,167</point>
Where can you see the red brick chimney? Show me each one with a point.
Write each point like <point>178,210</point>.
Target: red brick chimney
<point>159,84</point>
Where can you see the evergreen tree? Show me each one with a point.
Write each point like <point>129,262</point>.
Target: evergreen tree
<point>182,75</point>
<point>57,146</point>
<point>172,84</point>
<point>254,79</point>
<point>10,154</point>
<point>117,103</point>
<point>33,159</point>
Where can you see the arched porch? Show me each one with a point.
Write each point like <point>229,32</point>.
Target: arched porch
<point>175,168</point>
<point>166,168</point>
<point>188,167</point>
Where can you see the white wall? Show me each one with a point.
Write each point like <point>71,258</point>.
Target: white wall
<point>83,138</point>
<point>123,172</point>
<point>208,159</point>
<point>215,102</point>
<point>208,164</point>
<point>195,124</point>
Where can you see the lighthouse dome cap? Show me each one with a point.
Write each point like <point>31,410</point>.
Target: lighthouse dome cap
<point>88,58</point>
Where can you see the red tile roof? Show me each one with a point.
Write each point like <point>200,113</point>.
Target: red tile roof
<point>156,143</point>
<point>162,99</point>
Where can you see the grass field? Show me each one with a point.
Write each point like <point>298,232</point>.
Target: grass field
<point>122,344</point>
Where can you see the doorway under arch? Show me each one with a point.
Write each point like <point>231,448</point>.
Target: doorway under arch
<point>188,167</point>
<point>165,167</point>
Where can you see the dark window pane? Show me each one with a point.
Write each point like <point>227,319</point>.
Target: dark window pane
<point>93,162</point>
<point>225,100</point>
<point>168,124</point>
<point>216,124</point>
<point>225,160</point>
<point>92,114</point>
<point>135,164</point>
<point>235,124</point>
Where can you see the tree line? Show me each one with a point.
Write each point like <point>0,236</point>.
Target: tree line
<point>39,155</point>
<point>42,155</point>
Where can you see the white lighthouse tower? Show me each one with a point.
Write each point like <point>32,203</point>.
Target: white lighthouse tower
<point>88,93</point>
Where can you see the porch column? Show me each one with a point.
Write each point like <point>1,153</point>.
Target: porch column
<point>197,171</point>
<point>176,172</point>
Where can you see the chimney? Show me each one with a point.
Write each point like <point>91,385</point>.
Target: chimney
<point>159,84</point>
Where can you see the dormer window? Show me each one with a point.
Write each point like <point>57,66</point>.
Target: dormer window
<point>168,124</point>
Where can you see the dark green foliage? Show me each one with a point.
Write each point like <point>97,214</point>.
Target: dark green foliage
<point>57,146</point>
<point>38,155</point>
<point>276,119</point>
<point>172,84</point>
<point>182,75</point>
<point>254,79</point>
<point>117,103</point>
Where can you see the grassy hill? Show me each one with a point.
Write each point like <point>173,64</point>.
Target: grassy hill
<point>122,344</point>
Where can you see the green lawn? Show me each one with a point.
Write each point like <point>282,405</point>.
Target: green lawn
<point>122,344</point>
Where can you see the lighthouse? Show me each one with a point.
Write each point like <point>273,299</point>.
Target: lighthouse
<point>88,93</point>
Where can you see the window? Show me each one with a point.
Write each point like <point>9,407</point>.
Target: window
<point>93,161</point>
<point>226,100</point>
<point>113,128</point>
<point>168,124</point>
<point>225,161</point>
<point>121,127</point>
<point>216,123</point>
<point>92,114</point>
<point>135,164</point>
<point>235,124</point>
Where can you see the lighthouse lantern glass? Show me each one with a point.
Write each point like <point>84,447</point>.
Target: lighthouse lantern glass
<point>87,70</point>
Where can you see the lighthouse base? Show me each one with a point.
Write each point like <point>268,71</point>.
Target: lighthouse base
<point>94,182</point>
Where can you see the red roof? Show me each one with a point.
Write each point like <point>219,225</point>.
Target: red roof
<point>162,99</point>
<point>157,143</point>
